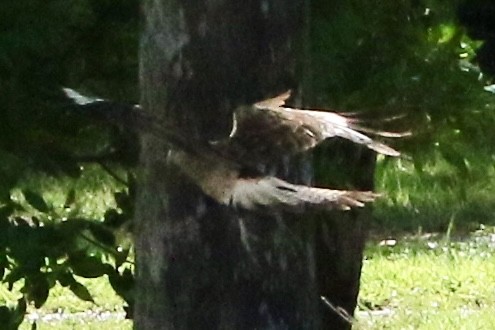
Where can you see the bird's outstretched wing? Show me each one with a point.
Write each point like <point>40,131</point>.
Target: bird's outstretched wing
<point>271,128</point>
<point>221,180</point>
<point>265,124</point>
<point>108,111</point>
<point>254,193</point>
<point>129,116</point>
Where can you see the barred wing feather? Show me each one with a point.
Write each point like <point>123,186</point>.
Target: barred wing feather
<point>278,129</point>
<point>273,192</point>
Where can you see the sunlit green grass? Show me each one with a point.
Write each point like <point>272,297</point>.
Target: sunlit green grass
<point>63,310</point>
<point>63,304</point>
<point>429,283</point>
<point>420,280</point>
<point>81,324</point>
<point>437,271</point>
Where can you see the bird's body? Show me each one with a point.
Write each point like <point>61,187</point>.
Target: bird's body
<point>286,130</point>
<point>262,132</point>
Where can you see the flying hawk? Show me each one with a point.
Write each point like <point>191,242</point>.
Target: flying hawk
<point>262,132</point>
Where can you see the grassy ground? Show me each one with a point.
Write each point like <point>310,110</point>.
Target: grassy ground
<point>413,279</point>
<point>433,267</point>
<point>412,282</point>
<point>81,324</point>
<point>63,310</point>
<point>439,198</point>
<point>429,282</point>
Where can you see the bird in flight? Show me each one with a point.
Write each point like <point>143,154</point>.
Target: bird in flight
<point>226,170</point>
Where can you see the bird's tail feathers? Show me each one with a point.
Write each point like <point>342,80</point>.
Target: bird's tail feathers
<point>385,134</point>
<point>352,134</point>
<point>334,124</point>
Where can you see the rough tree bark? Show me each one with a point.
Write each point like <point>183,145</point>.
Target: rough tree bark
<point>201,266</point>
<point>340,237</point>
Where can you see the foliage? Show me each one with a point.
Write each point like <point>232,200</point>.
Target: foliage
<point>412,60</point>
<point>42,246</point>
<point>477,17</point>
<point>404,57</point>
<point>419,281</point>
<point>48,236</point>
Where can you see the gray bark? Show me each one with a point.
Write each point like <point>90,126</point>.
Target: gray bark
<point>201,266</point>
<point>340,237</point>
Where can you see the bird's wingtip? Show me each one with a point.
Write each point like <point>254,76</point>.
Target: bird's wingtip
<point>78,98</point>
<point>384,149</point>
<point>70,93</point>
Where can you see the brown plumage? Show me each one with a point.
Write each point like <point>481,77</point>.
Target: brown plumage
<point>222,180</point>
<point>273,130</point>
<point>262,132</point>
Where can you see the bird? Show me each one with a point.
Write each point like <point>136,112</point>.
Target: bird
<point>225,169</point>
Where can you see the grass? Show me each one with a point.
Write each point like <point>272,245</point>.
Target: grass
<point>435,271</point>
<point>413,279</point>
<point>421,282</point>
<point>63,310</point>
<point>81,324</point>
<point>429,283</point>
<point>438,197</point>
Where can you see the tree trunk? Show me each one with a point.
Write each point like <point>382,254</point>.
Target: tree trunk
<point>340,237</point>
<point>200,265</point>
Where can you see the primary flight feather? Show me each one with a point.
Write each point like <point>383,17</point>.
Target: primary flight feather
<point>260,132</point>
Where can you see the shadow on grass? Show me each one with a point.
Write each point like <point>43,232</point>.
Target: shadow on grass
<point>438,199</point>
<point>449,217</point>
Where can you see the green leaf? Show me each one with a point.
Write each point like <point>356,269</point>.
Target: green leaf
<point>123,284</point>
<point>35,200</point>
<point>65,279</point>
<point>121,257</point>
<point>37,289</point>
<point>81,292</point>
<point>89,267</point>
<point>114,219</point>
<point>5,315</point>
<point>10,319</point>
<point>13,276</point>
<point>4,263</point>
<point>6,211</point>
<point>122,200</point>
<point>70,199</point>
<point>102,234</point>
<point>18,313</point>
<point>74,226</point>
